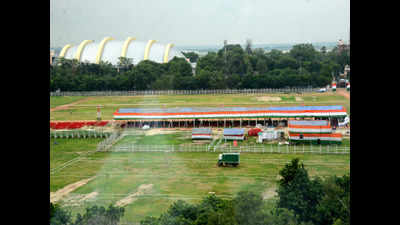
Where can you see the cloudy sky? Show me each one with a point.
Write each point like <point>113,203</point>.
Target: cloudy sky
<point>200,22</point>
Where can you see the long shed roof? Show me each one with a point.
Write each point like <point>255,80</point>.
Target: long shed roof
<point>230,112</point>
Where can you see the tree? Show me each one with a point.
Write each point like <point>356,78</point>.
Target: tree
<point>287,62</point>
<point>297,192</point>
<point>248,46</point>
<point>182,209</point>
<point>334,207</point>
<point>281,216</point>
<point>100,216</point>
<point>323,49</point>
<point>230,67</point>
<point>234,55</point>
<point>125,64</point>
<point>59,216</point>
<point>193,57</point>
<point>210,62</point>
<point>303,52</point>
<point>248,207</point>
<point>179,67</point>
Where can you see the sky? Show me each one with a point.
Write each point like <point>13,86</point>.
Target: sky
<point>200,22</point>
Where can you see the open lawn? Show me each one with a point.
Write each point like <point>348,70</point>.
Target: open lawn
<point>63,100</point>
<point>156,179</point>
<point>87,110</point>
<point>65,151</point>
<point>146,183</point>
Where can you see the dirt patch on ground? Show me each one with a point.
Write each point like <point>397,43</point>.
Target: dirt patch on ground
<point>63,107</point>
<point>142,189</point>
<point>269,193</point>
<point>200,142</point>
<point>299,99</point>
<point>268,99</point>
<point>159,131</point>
<point>89,196</point>
<point>78,199</point>
<point>343,92</point>
<point>55,196</point>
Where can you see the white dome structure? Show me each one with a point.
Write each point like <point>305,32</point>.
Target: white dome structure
<point>109,50</point>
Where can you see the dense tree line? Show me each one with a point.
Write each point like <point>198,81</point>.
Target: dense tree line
<point>231,67</point>
<point>94,215</point>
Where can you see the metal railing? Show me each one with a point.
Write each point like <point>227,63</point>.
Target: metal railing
<point>298,90</point>
<point>283,149</point>
<point>80,134</point>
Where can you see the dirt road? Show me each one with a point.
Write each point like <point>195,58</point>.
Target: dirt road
<point>55,196</point>
<point>343,92</point>
<point>62,107</point>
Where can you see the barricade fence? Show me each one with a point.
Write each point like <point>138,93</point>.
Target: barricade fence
<point>80,134</point>
<point>109,141</point>
<point>284,149</point>
<point>299,90</point>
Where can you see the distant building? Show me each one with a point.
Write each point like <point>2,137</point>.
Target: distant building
<point>193,65</point>
<point>109,50</point>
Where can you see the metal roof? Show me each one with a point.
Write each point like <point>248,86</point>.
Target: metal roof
<point>225,109</point>
<point>201,131</point>
<point>233,131</point>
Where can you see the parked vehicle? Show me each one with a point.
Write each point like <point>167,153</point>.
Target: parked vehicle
<point>226,159</point>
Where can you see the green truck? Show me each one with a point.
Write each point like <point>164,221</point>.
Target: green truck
<point>226,159</point>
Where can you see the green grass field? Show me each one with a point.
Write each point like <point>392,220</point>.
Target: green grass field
<point>87,109</point>
<point>62,100</point>
<point>65,150</point>
<point>172,175</point>
<point>175,175</point>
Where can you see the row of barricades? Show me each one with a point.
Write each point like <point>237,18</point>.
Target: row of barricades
<point>79,134</point>
<point>76,125</point>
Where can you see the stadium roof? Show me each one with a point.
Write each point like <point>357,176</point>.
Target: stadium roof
<point>109,50</point>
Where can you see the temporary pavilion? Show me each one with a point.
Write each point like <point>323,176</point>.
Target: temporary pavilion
<point>225,116</point>
<point>312,131</point>
<point>234,134</point>
<point>202,133</point>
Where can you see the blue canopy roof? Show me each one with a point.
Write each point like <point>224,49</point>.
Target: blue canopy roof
<point>201,131</point>
<point>220,109</point>
<point>233,131</point>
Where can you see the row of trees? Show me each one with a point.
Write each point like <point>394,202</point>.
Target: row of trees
<point>231,67</point>
<point>301,201</point>
<point>94,215</point>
